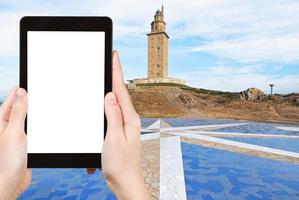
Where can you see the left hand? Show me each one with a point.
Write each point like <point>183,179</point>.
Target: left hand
<point>14,175</point>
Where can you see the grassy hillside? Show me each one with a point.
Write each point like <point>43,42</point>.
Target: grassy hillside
<point>173,100</point>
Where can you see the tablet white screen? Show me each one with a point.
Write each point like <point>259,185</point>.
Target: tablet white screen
<point>65,91</point>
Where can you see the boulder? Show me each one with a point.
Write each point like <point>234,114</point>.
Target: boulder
<point>253,94</point>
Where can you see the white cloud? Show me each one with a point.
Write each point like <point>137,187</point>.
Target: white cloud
<point>8,77</point>
<point>243,30</point>
<point>9,39</point>
<point>277,49</point>
<point>226,78</point>
<point>254,31</point>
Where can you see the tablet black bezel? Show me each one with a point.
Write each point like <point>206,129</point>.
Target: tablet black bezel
<point>66,160</point>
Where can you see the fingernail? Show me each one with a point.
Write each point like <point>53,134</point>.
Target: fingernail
<point>115,56</point>
<point>20,94</point>
<point>115,53</point>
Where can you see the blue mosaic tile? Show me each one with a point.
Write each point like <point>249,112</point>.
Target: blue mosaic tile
<point>110,197</point>
<point>218,174</point>
<point>178,122</point>
<point>260,128</point>
<point>67,184</point>
<point>74,197</point>
<point>277,143</point>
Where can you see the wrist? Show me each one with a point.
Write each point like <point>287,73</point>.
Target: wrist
<point>129,186</point>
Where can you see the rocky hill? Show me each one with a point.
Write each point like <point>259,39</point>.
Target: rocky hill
<point>172,100</point>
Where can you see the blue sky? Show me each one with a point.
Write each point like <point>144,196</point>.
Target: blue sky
<point>226,45</point>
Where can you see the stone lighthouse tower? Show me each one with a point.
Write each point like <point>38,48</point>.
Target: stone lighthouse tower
<point>157,69</point>
<point>158,48</point>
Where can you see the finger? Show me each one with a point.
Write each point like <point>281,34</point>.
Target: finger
<point>115,129</point>
<point>18,112</point>
<point>90,170</point>
<point>122,94</point>
<point>118,78</point>
<point>5,109</point>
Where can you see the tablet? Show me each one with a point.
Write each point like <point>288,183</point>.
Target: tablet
<point>65,66</point>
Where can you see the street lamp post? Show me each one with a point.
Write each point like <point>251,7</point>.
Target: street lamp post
<point>271,86</point>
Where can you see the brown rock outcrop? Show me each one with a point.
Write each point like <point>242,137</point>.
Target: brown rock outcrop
<point>253,94</point>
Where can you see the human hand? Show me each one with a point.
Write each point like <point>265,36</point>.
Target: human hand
<point>121,155</point>
<point>14,175</point>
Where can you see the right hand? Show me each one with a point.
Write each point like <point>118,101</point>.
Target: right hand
<point>121,155</point>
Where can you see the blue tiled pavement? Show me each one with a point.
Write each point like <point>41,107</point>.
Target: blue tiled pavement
<point>217,174</point>
<point>177,122</point>
<point>67,184</point>
<point>260,128</point>
<point>277,143</point>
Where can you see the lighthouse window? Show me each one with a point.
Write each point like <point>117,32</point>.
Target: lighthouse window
<point>158,66</point>
<point>158,48</point>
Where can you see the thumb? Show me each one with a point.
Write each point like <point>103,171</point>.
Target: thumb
<point>18,111</point>
<point>115,129</point>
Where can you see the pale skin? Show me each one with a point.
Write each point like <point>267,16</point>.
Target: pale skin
<point>121,153</point>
